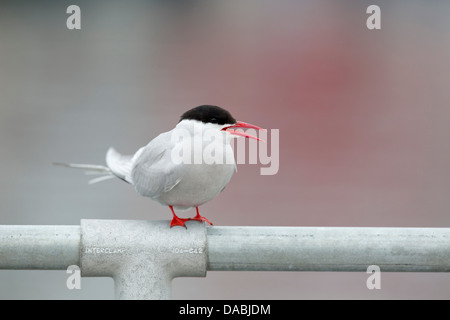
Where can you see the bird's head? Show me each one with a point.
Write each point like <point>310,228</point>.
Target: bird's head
<point>213,116</point>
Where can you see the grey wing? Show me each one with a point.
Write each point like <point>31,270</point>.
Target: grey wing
<point>153,170</point>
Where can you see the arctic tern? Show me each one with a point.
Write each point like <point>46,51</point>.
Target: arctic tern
<point>182,168</point>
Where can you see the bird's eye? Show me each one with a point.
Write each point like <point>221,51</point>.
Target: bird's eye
<point>213,120</point>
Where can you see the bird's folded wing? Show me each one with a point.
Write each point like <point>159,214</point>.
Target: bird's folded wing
<point>153,170</point>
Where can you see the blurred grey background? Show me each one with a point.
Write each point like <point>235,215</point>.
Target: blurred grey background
<point>363,117</point>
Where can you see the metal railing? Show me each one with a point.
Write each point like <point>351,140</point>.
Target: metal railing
<point>144,256</point>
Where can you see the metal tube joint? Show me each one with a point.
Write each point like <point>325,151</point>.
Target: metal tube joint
<point>142,256</point>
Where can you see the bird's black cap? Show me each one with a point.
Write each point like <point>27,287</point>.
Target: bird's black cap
<point>209,114</point>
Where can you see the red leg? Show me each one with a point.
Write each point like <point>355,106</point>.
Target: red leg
<point>198,217</point>
<point>177,221</point>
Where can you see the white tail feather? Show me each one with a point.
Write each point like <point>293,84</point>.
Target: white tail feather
<point>91,169</point>
<point>119,164</point>
<point>99,179</point>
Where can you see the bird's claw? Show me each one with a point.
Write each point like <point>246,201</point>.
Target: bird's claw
<point>178,222</point>
<point>201,219</point>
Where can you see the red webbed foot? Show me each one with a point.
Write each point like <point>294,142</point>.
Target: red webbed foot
<point>198,217</point>
<point>176,221</point>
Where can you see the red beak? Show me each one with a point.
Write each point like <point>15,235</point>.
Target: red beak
<point>241,124</point>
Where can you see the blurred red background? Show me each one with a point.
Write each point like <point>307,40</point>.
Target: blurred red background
<point>362,114</point>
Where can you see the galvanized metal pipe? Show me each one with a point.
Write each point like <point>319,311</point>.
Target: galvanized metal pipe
<point>144,256</point>
<point>328,249</point>
<point>39,247</point>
